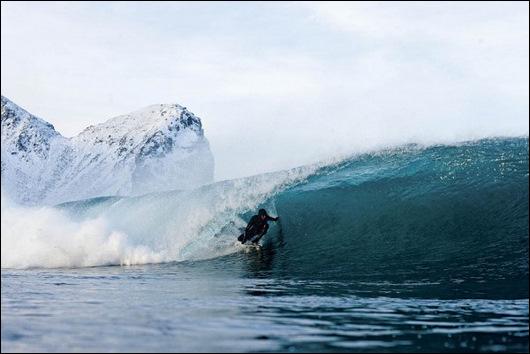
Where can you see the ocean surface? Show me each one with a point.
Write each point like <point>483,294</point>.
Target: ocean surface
<point>412,249</point>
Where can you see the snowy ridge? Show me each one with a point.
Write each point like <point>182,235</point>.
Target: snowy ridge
<point>157,148</point>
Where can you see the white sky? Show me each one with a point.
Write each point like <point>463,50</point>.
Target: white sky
<point>276,84</point>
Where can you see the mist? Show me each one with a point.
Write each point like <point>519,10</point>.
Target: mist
<point>277,85</point>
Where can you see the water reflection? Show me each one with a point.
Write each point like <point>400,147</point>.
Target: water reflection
<point>291,316</point>
<point>201,306</point>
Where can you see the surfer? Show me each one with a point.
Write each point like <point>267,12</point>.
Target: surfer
<point>257,227</point>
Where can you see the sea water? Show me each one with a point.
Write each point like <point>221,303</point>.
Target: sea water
<point>412,249</point>
<point>235,304</point>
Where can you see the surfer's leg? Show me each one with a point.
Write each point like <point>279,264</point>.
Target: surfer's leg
<point>256,239</point>
<point>246,236</point>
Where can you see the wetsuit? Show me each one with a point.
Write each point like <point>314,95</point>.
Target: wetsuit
<point>256,227</point>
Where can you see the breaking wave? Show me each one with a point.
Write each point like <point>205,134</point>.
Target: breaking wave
<point>407,214</point>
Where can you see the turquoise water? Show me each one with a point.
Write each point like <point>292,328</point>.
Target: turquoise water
<point>410,249</point>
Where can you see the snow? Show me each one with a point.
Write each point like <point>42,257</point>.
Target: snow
<point>160,147</point>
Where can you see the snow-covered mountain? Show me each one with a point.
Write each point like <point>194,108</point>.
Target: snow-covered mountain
<point>157,148</point>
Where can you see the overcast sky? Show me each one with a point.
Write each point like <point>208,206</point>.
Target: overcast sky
<point>276,84</point>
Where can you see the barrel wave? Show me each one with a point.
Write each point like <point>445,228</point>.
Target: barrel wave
<point>449,219</point>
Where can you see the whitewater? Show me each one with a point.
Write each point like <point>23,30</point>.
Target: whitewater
<point>414,248</point>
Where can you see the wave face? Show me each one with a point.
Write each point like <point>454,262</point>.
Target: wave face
<point>447,215</point>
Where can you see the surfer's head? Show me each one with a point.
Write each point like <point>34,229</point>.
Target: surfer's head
<point>262,213</point>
